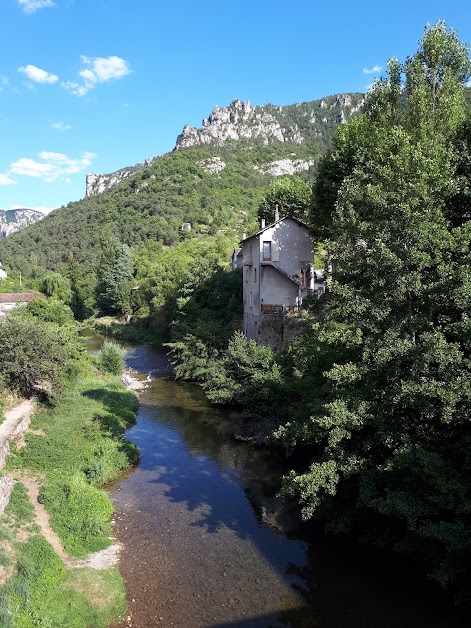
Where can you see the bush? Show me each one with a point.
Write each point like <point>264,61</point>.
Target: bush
<point>34,355</point>
<point>112,357</point>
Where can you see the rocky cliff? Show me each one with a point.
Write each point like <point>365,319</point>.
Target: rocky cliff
<point>98,183</point>
<point>310,124</point>
<point>302,123</point>
<point>12,220</point>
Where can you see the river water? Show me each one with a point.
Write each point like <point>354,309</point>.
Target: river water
<point>206,543</point>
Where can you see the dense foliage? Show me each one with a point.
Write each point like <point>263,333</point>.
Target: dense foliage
<point>36,354</point>
<point>111,357</point>
<point>389,428</point>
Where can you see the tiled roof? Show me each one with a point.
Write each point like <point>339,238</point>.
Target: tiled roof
<point>18,297</point>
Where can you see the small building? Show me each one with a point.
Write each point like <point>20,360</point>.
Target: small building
<point>278,272</point>
<point>3,272</point>
<point>10,300</point>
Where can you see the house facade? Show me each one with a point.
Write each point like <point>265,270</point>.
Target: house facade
<point>278,272</point>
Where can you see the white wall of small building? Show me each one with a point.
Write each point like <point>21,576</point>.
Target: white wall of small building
<point>292,245</point>
<point>276,289</point>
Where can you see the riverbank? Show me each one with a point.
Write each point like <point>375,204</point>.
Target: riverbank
<point>57,557</point>
<point>135,330</point>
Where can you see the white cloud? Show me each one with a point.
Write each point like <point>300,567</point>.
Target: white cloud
<point>374,70</point>
<point>37,75</point>
<point>6,180</point>
<point>53,166</point>
<point>97,70</point>
<point>31,6</point>
<point>60,126</point>
<point>75,88</point>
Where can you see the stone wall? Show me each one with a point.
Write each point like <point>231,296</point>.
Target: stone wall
<point>278,330</point>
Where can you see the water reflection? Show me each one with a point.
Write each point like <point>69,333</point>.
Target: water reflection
<point>198,550</point>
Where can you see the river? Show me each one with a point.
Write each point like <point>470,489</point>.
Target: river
<point>207,544</point>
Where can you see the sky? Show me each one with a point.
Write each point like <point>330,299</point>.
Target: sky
<point>98,85</point>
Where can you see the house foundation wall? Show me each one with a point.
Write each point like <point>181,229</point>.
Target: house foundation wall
<point>278,330</point>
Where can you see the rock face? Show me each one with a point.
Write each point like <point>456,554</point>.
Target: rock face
<point>268,124</point>
<point>12,220</point>
<point>213,165</point>
<point>285,166</point>
<point>98,183</point>
<point>239,121</point>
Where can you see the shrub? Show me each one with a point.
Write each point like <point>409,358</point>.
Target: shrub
<point>33,355</point>
<point>112,357</point>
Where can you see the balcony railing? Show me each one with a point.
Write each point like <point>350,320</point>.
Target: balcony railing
<point>266,308</point>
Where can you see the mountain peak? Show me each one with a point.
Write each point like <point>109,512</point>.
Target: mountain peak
<point>268,124</point>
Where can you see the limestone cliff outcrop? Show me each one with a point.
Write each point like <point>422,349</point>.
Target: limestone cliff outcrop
<point>98,183</point>
<point>12,220</point>
<point>297,124</point>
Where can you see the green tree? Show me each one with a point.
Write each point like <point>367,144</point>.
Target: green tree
<point>391,431</point>
<point>111,357</point>
<point>291,194</point>
<point>34,355</point>
<point>55,285</point>
<point>115,277</point>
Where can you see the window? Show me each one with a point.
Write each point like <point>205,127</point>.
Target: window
<point>246,275</point>
<point>251,301</point>
<point>267,251</point>
<point>255,275</point>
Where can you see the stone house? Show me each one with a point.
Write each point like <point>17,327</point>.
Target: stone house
<point>9,300</point>
<point>278,274</point>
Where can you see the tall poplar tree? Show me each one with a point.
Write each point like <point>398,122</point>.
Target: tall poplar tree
<point>391,432</point>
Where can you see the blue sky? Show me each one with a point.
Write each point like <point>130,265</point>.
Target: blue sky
<point>97,85</point>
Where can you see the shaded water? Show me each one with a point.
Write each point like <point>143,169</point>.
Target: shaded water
<point>204,544</point>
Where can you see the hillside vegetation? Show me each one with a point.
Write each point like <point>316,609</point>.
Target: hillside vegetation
<point>174,189</point>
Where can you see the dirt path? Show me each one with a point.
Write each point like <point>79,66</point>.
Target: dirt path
<point>98,560</point>
<point>16,422</point>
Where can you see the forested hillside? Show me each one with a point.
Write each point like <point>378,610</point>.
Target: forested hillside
<point>212,186</point>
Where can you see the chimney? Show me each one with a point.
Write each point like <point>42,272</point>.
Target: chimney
<point>277,212</point>
<point>262,223</point>
<point>244,235</point>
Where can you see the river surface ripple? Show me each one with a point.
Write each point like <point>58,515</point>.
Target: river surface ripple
<point>203,543</point>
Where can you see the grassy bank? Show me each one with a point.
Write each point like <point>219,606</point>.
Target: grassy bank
<point>72,450</point>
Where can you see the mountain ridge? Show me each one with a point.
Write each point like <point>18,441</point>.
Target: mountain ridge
<point>13,220</point>
<point>308,123</point>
